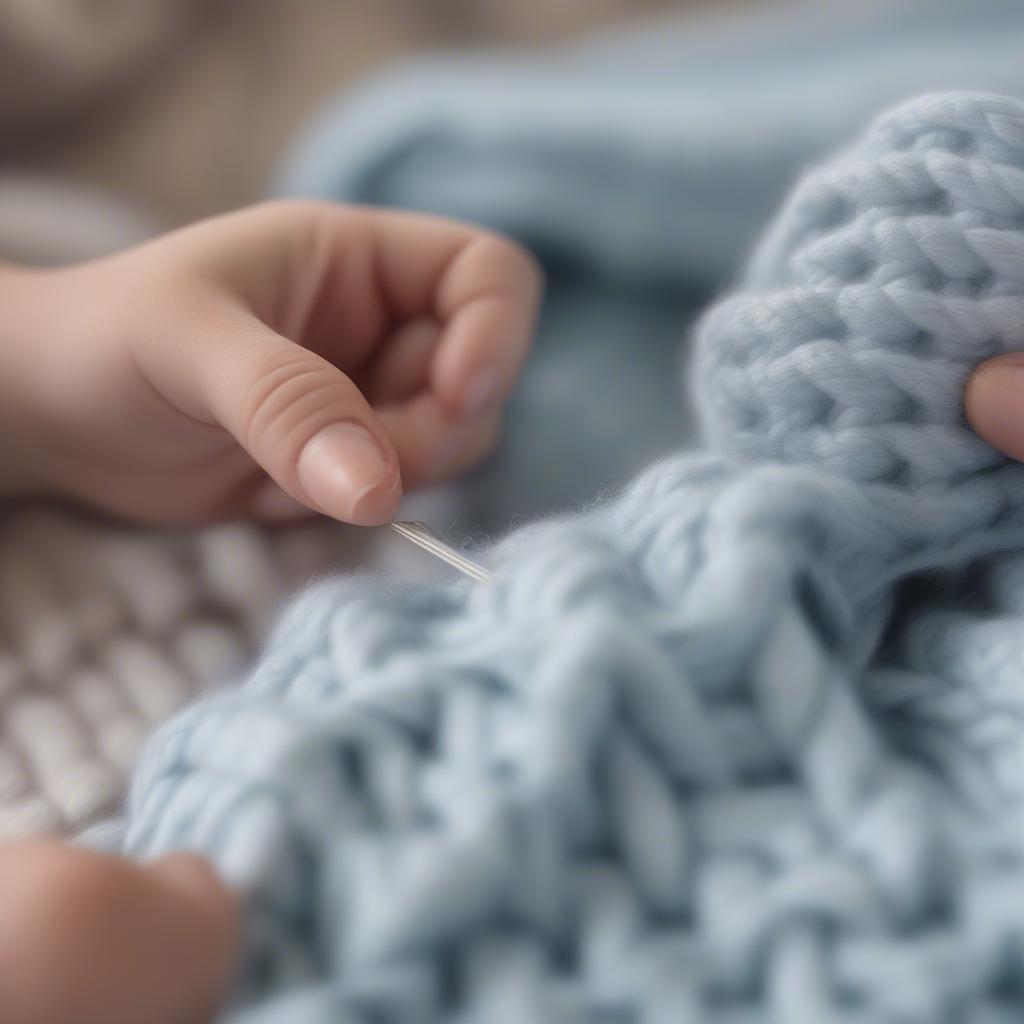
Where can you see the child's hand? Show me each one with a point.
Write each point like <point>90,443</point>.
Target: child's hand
<point>293,353</point>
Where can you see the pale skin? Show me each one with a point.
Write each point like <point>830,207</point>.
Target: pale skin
<point>223,371</point>
<point>291,359</point>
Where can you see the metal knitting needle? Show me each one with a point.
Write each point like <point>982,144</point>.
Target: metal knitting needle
<point>421,534</point>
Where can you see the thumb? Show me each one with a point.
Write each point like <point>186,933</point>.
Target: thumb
<point>303,420</point>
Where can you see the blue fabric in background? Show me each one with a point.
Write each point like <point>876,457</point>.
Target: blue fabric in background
<point>640,167</point>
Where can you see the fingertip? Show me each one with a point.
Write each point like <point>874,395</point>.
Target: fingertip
<point>477,362</point>
<point>492,309</point>
<point>351,473</point>
<point>193,880</point>
<point>378,507</point>
<point>205,942</point>
<point>994,404</point>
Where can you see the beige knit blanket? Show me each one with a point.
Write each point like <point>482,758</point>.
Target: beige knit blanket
<point>107,630</point>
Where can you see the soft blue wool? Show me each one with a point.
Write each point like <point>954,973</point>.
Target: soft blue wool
<point>744,744</point>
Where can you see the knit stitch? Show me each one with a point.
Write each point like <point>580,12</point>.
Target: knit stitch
<point>741,745</point>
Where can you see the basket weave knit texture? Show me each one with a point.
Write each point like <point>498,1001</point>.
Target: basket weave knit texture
<point>105,631</point>
<point>743,744</point>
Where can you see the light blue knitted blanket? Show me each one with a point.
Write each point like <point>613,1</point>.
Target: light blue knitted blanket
<point>742,745</point>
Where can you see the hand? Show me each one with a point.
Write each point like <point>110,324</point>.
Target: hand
<point>288,357</point>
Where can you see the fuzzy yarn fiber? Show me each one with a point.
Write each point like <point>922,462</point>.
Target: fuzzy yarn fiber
<point>744,744</point>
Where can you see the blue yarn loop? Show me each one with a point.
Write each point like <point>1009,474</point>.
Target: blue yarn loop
<point>742,744</point>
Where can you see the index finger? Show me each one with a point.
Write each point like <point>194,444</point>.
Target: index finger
<point>353,274</point>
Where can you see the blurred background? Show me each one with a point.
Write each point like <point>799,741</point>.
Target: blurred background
<point>179,109</point>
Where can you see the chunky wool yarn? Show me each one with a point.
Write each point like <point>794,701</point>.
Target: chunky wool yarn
<point>741,745</point>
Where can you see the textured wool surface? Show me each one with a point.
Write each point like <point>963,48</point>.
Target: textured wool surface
<point>741,744</point>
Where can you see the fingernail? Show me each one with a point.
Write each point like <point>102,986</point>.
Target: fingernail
<point>482,390</point>
<point>340,467</point>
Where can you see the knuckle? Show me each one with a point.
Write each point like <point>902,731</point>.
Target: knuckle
<point>299,223</point>
<point>287,395</point>
<point>517,257</point>
<point>516,266</point>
